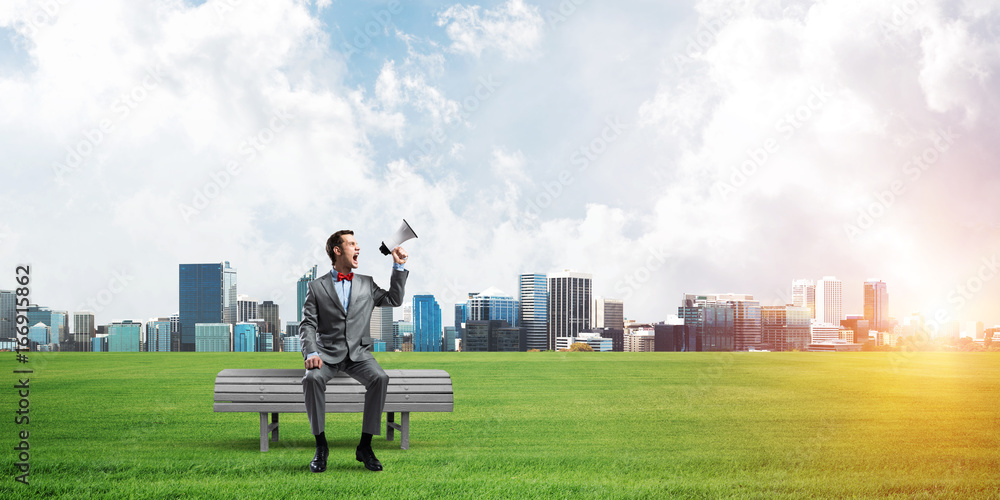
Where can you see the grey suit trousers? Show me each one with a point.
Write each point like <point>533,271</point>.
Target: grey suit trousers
<point>367,372</point>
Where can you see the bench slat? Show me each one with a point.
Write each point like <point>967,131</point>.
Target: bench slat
<point>345,398</point>
<point>355,389</point>
<point>330,407</point>
<point>334,381</point>
<point>292,372</point>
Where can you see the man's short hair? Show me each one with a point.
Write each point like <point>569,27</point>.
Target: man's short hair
<point>334,241</point>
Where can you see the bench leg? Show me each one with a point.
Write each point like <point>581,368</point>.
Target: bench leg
<point>274,425</point>
<point>390,426</point>
<point>265,428</point>
<point>405,442</point>
<point>263,431</point>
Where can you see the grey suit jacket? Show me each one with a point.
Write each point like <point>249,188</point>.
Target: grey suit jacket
<point>334,333</point>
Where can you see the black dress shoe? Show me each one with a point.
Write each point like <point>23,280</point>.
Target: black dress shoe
<point>367,457</point>
<point>318,463</point>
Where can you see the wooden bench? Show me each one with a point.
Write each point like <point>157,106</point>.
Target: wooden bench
<point>277,391</point>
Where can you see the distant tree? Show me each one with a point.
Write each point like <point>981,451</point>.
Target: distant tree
<point>972,347</point>
<point>988,341</point>
<point>581,347</point>
<point>869,345</point>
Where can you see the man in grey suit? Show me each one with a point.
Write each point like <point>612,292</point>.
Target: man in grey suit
<point>334,332</point>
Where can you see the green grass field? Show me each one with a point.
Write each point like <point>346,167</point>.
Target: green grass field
<point>563,425</point>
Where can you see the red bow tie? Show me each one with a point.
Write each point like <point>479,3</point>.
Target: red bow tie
<point>342,276</point>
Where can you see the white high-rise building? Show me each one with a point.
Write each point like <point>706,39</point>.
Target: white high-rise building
<point>829,301</point>
<point>804,295</point>
<point>533,300</point>
<point>381,325</point>
<point>570,301</point>
<point>246,308</point>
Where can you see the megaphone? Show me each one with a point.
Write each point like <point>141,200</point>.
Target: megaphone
<point>402,234</point>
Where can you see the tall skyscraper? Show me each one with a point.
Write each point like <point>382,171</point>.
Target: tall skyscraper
<point>829,301</point>
<point>246,308</point>
<point>60,327</point>
<point>569,304</point>
<point>8,315</point>
<point>158,336</point>
<point>746,320</point>
<point>877,305</point>
<point>534,300</point>
<point>207,295</point>
<point>175,332</point>
<point>269,313</point>
<point>381,325</point>
<point>228,294</point>
<point>83,324</point>
<point>461,316</point>
<point>448,341</point>
<point>426,324</point>
<point>402,331</point>
<point>83,330</point>
<point>493,304</point>
<point>301,288</point>
<point>607,313</point>
<point>804,295</point>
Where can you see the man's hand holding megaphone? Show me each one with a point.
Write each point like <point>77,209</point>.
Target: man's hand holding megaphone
<point>399,255</point>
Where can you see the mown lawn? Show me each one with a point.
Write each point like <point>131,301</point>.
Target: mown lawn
<point>563,425</point>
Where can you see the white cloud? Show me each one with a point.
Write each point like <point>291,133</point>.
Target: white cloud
<point>387,86</point>
<point>513,28</point>
<point>644,210</point>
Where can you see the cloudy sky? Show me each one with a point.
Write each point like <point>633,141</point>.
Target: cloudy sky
<point>664,147</point>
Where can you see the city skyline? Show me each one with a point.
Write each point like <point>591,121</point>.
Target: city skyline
<point>242,303</point>
<point>661,147</point>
